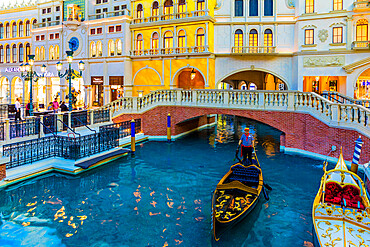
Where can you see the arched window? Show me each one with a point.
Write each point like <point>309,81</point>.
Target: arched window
<point>51,53</point>
<point>99,49</point>
<point>252,86</point>
<point>268,41</point>
<point>362,30</point>
<point>1,31</point>
<point>28,51</point>
<point>338,5</point>
<point>1,54</point>
<point>239,6</point>
<point>155,11</point>
<point>111,48</point>
<point>139,44</point>
<point>14,53</point>
<point>238,41</point>
<point>28,28</point>
<point>20,29</point>
<point>253,7</point>
<point>168,42</point>
<point>119,47</point>
<point>155,44</point>
<point>253,41</point>
<point>201,5</point>
<point>181,43</point>
<point>268,8</point>
<point>7,53</point>
<point>20,53</point>
<point>181,9</point>
<point>92,49</point>
<point>168,9</point>
<point>56,51</point>
<point>37,54</point>
<point>7,31</point>
<point>14,30</point>
<point>139,12</point>
<point>42,53</point>
<point>200,40</point>
<point>34,23</point>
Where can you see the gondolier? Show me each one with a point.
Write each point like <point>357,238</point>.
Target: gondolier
<point>247,144</point>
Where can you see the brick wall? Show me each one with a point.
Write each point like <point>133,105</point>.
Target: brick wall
<point>2,172</point>
<point>301,131</point>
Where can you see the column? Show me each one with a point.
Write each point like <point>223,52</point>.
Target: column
<point>106,94</point>
<point>128,83</point>
<point>349,32</point>
<point>88,98</point>
<point>48,96</point>
<point>106,91</point>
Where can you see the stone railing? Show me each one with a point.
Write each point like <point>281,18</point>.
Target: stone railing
<point>253,49</point>
<point>360,45</point>
<point>170,51</point>
<point>349,116</point>
<point>361,5</point>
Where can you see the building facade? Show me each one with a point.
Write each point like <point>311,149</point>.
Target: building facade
<point>134,47</point>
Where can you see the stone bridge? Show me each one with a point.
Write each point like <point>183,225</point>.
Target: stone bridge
<point>308,121</point>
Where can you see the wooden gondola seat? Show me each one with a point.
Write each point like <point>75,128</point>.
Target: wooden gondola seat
<point>249,175</point>
<point>351,196</point>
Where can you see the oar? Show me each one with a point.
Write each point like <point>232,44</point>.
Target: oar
<point>267,186</point>
<point>236,154</point>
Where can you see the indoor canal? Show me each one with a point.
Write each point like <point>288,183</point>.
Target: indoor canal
<point>162,197</point>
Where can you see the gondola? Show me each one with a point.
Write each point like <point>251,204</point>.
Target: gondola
<point>236,195</point>
<point>340,212</point>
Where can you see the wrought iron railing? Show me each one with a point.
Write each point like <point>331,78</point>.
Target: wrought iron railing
<point>2,131</point>
<point>24,128</point>
<point>80,118</point>
<point>101,116</point>
<point>60,146</point>
<point>124,127</point>
<point>337,97</point>
<point>50,123</point>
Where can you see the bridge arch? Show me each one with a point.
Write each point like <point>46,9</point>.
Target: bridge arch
<point>268,80</point>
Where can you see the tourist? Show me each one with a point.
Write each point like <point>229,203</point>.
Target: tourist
<point>247,144</point>
<point>55,105</point>
<point>50,106</point>
<point>63,106</point>
<point>18,109</point>
<point>28,107</point>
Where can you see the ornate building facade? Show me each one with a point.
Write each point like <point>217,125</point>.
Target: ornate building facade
<point>134,47</point>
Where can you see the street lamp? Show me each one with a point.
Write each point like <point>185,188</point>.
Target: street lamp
<point>70,74</point>
<point>29,74</point>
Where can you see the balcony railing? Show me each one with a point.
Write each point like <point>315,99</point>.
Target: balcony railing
<point>253,49</point>
<point>360,45</point>
<point>170,51</point>
<point>109,14</point>
<point>46,24</point>
<point>363,5</point>
<point>172,16</point>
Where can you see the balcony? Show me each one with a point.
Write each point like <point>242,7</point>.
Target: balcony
<point>186,51</point>
<point>168,17</point>
<point>360,45</point>
<point>46,24</point>
<point>109,14</point>
<point>361,5</point>
<point>253,50</point>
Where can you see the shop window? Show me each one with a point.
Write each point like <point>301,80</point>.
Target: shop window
<point>308,37</point>
<point>268,8</point>
<point>7,53</point>
<point>7,31</point>
<point>118,28</point>
<point>362,30</point>
<point>181,41</point>
<point>309,6</point>
<point>181,9</point>
<point>316,86</point>
<point>268,40</point>
<point>99,30</point>
<point>1,31</point>
<point>99,49</point>
<point>111,29</point>
<point>253,7</point>
<point>253,41</point>
<point>92,49</point>
<point>239,7</point>
<point>111,48</point>
<point>1,54</point>
<point>119,47</point>
<point>20,53</point>
<point>337,35</point>
<point>20,29</point>
<point>56,51</point>
<point>333,85</point>
<point>51,53</point>
<point>92,31</point>
<point>201,6</point>
<point>14,53</point>
<point>338,5</point>
<point>238,41</point>
<point>28,28</point>
<point>155,11</point>
<point>200,40</point>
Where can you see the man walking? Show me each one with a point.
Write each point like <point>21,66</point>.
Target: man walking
<point>247,144</point>
<point>18,110</point>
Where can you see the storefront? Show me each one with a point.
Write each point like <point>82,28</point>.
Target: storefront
<point>4,90</point>
<point>116,87</point>
<point>318,84</point>
<point>97,90</point>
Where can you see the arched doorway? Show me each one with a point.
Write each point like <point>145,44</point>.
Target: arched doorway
<point>252,80</point>
<point>190,78</point>
<point>4,90</point>
<point>362,89</point>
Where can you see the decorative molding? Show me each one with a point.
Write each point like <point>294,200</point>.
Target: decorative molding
<point>309,26</point>
<point>323,61</point>
<point>338,24</point>
<point>350,67</point>
<point>290,4</point>
<point>323,35</point>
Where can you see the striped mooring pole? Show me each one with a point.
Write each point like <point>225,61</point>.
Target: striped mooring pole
<point>169,128</point>
<point>356,155</point>
<point>132,137</point>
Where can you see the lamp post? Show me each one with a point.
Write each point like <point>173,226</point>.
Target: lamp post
<point>30,75</point>
<point>70,74</point>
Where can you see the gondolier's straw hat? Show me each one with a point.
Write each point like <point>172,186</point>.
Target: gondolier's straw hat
<point>246,129</point>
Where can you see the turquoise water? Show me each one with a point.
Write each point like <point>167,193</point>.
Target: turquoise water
<point>162,197</point>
